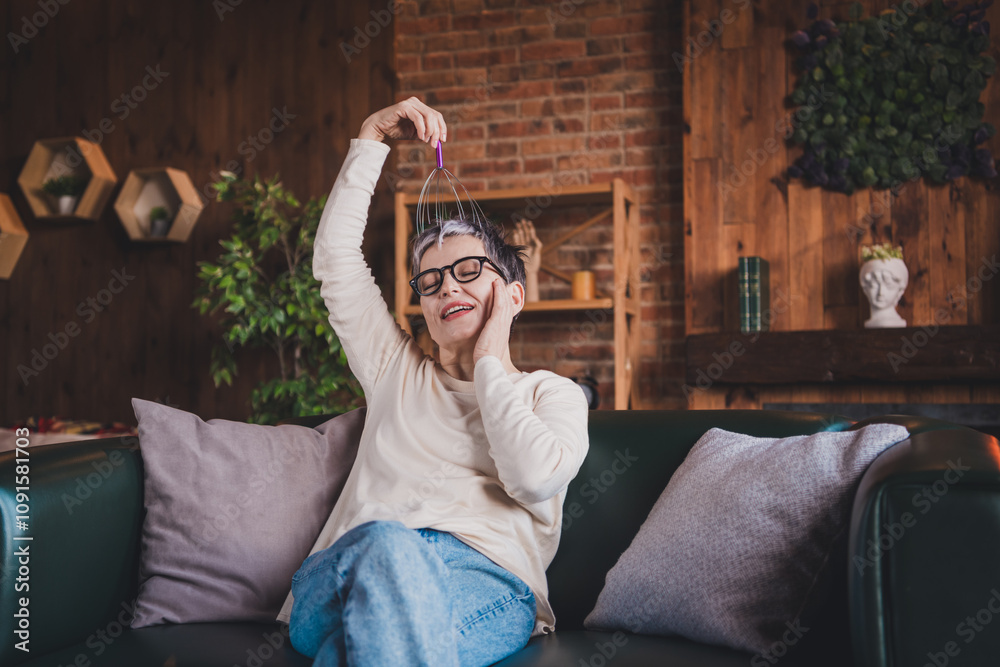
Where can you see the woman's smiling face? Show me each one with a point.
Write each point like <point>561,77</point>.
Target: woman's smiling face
<point>463,327</point>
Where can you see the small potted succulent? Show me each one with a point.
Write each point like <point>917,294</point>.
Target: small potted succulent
<point>66,190</point>
<point>159,221</point>
<point>883,277</point>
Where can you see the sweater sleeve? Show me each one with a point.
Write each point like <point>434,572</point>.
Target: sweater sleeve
<point>359,315</point>
<point>537,449</point>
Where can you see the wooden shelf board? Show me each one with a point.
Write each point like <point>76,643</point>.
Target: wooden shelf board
<point>908,354</point>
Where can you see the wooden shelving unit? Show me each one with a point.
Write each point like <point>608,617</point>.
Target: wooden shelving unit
<point>13,237</point>
<point>145,189</point>
<point>622,208</point>
<point>65,156</point>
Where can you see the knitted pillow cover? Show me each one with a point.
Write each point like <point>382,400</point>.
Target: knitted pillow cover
<point>740,536</point>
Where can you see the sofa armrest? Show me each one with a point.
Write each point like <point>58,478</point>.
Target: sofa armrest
<point>924,552</point>
<point>84,516</point>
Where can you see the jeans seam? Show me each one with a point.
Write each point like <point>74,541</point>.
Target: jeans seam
<point>494,609</point>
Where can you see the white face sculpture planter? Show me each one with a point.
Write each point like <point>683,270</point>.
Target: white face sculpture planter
<point>884,281</point>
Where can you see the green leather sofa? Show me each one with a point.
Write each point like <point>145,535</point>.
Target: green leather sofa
<point>913,607</point>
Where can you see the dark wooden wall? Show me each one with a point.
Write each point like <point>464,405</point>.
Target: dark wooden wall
<point>226,74</point>
<point>735,103</point>
<point>735,92</point>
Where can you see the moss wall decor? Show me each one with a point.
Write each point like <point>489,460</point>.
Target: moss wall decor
<point>901,96</point>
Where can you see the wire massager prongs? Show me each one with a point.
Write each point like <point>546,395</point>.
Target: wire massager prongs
<point>443,183</point>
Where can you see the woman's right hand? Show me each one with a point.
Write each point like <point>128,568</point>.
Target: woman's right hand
<point>409,119</point>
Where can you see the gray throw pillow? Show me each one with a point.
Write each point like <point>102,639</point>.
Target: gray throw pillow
<point>735,543</point>
<point>232,510</point>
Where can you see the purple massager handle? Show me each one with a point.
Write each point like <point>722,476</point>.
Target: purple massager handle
<point>440,158</point>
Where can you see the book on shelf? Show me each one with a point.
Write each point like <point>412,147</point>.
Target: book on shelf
<point>753,274</point>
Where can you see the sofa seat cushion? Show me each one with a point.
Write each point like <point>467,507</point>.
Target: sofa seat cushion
<point>185,645</point>
<point>267,645</point>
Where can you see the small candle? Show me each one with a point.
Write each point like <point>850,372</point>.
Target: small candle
<point>583,285</point>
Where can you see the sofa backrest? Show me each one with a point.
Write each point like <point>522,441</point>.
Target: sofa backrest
<point>632,457</point>
<point>85,510</point>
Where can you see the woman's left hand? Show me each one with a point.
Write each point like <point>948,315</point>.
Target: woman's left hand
<point>495,337</point>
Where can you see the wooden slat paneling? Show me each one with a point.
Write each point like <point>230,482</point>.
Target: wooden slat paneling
<point>911,231</point>
<point>737,241</point>
<point>741,154</point>
<point>840,262</point>
<point>701,255</point>
<point>770,202</point>
<point>703,81</point>
<point>947,216</point>
<point>224,78</point>
<point>740,32</point>
<point>805,257</point>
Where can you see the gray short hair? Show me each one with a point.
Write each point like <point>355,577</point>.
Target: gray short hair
<point>510,258</point>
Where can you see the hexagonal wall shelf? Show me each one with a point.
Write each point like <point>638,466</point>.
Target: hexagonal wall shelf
<point>13,236</point>
<point>66,156</point>
<point>146,189</point>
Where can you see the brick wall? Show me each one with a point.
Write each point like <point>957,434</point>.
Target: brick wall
<point>552,93</point>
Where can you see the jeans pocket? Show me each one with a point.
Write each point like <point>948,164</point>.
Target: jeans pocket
<point>504,611</point>
<point>309,565</point>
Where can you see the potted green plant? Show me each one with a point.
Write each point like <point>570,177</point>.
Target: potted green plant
<point>159,221</point>
<point>883,277</point>
<point>264,285</point>
<point>66,190</point>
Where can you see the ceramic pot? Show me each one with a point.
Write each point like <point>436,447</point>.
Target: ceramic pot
<point>159,227</point>
<point>883,282</point>
<point>67,204</point>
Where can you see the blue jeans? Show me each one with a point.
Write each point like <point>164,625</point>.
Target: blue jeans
<point>384,594</point>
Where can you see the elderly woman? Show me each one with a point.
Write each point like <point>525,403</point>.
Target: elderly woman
<point>435,553</point>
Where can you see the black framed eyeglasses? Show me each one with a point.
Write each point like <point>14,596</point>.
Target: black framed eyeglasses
<point>464,270</point>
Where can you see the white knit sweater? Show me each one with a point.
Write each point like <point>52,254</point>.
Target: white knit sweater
<point>487,460</point>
